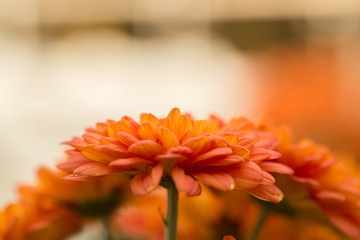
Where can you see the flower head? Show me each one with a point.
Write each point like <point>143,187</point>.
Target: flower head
<point>37,217</point>
<point>332,183</point>
<point>97,197</point>
<point>223,156</point>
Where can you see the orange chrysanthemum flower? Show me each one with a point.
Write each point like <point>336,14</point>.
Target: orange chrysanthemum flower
<point>332,183</point>
<point>37,217</point>
<point>220,155</point>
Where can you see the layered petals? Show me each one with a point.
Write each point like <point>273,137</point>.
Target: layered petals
<point>222,155</point>
<point>144,183</point>
<point>185,183</point>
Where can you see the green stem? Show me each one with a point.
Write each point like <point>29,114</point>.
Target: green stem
<point>260,222</point>
<point>106,223</point>
<point>172,212</point>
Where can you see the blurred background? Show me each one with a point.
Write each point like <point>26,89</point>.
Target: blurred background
<point>65,65</point>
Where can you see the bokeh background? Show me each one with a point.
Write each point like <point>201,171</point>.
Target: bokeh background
<point>65,65</point>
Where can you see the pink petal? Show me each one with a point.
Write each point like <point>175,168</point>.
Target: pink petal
<point>144,183</point>
<point>199,144</point>
<point>275,167</point>
<point>267,193</point>
<point>260,154</point>
<point>73,163</point>
<point>113,150</point>
<point>345,223</point>
<point>217,152</point>
<point>219,180</point>
<point>268,179</point>
<point>77,178</point>
<point>130,163</point>
<point>94,169</point>
<point>182,150</point>
<point>328,195</point>
<point>305,180</point>
<point>246,142</point>
<point>219,141</point>
<point>77,143</point>
<point>185,183</point>
<point>247,175</point>
<point>92,138</point>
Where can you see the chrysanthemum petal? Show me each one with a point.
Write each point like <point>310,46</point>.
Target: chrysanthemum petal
<point>122,126</point>
<point>78,178</point>
<point>146,149</point>
<point>329,195</point>
<point>247,175</point>
<point>198,145</point>
<point>97,155</point>
<point>218,141</point>
<point>231,138</point>
<point>228,160</point>
<point>143,183</point>
<point>116,151</point>
<point>133,163</point>
<point>92,138</point>
<point>73,162</point>
<point>184,125</point>
<point>94,169</point>
<point>137,184</point>
<point>217,152</point>
<point>241,151</point>
<point>345,223</point>
<point>246,142</point>
<point>267,140</point>
<point>77,143</point>
<point>276,167</point>
<point>260,154</point>
<point>148,117</point>
<point>269,193</point>
<point>147,131</point>
<point>126,138</point>
<point>183,150</point>
<point>219,180</point>
<point>268,179</point>
<point>185,183</point>
<point>306,180</point>
<point>167,138</point>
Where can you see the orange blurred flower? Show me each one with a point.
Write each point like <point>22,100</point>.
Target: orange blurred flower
<point>239,221</point>
<point>321,188</point>
<point>334,184</point>
<point>139,217</point>
<point>37,217</point>
<point>187,150</point>
<point>90,198</point>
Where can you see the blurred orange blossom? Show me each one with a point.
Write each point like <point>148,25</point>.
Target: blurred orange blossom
<point>36,216</point>
<point>137,218</point>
